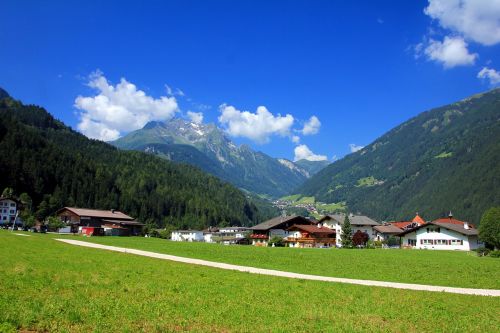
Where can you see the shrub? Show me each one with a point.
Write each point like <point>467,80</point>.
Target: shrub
<point>482,251</point>
<point>277,241</point>
<point>495,254</point>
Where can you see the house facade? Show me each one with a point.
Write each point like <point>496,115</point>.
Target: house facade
<point>304,236</point>
<point>187,236</point>
<point>276,227</point>
<point>358,223</point>
<point>442,234</point>
<point>8,211</point>
<point>99,222</point>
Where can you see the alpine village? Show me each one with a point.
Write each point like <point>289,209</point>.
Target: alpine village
<point>329,167</point>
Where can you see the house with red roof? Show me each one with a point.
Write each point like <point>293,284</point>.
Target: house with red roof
<point>310,236</point>
<point>442,234</point>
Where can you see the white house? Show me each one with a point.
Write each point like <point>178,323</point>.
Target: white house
<point>442,234</point>
<point>358,222</point>
<point>276,227</point>
<point>8,210</point>
<point>187,236</point>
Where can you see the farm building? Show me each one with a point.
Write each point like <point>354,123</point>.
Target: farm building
<point>276,227</point>
<point>8,210</point>
<point>187,236</point>
<point>358,222</point>
<point>310,236</point>
<point>99,222</point>
<point>442,234</point>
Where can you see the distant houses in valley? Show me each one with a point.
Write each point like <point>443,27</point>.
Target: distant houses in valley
<point>298,231</point>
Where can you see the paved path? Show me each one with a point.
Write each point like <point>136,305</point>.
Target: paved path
<point>247,269</point>
<point>21,235</point>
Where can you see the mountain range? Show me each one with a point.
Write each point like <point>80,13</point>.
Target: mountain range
<point>207,147</point>
<point>442,160</point>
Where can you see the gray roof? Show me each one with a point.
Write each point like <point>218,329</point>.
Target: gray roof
<point>275,222</point>
<point>354,219</point>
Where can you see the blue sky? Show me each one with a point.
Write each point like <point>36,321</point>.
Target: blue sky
<point>359,67</point>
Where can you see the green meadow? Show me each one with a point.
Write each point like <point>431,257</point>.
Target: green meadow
<point>48,286</point>
<point>444,268</point>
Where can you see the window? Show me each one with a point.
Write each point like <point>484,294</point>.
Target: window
<point>457,242</point>
<point>441,242</point>
<point>13,205</point>
<point>12,211</point>
<point>426,241</point>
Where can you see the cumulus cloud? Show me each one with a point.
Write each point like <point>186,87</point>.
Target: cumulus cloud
<point>354,148</point>
<point>120,108</point>
<point>476,20</point>
<point>489,73</point>
<point>450,53</point>
<point>295,139</point>
<point>258,126</point>
<point>195,117</point>
<point>302,152</point>
<point>311,126</point>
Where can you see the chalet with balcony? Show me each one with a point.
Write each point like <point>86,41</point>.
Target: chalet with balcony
<point>99,222</point>
<point>276,227</point>
<point>310,236</point>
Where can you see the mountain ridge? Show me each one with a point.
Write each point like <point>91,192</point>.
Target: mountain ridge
<point>250,170</point>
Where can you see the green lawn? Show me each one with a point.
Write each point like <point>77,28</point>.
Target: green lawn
<point>445,268</point>
<point>54,287</point>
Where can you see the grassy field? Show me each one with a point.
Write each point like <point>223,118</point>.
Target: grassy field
<point>50,286</point>
<point>445,268</point>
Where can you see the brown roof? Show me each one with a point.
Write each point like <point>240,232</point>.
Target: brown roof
<point>312,229</point>
<point>277,221</point>
<point>387,229</point>
<point>101,214</point>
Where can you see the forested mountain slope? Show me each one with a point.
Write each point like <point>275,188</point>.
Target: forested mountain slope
<point>59,167</point>
<point>444,159</point>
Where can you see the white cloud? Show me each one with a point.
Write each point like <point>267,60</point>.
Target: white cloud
<point>120,108</point>
<point>295,139</point>
<point>490,74</point>
<point>311,126</point>
<point>476,20</point>
<point>195,117</point>
<point>354,148</point>
<point>450,53</point>
<point>257,126</point>
<point>302,152</point>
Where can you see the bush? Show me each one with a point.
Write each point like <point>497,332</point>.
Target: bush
<point>495,254</point>
<point>482,251</point>
<point>378,244</point>
<point>277,241</point>
<point>360,238</point>
<point>393,241</point>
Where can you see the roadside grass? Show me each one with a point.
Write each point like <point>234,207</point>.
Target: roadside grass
<point>443,268</point>
<point>49,286</point>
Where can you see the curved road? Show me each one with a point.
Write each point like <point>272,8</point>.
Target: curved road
<point>254,270</point>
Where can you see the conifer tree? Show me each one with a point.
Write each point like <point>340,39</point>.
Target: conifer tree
<point>346,236</point>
